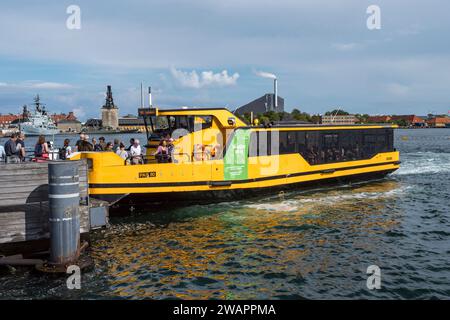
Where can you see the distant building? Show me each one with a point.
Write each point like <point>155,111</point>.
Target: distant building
<point>58,117</point>
<point>68,125</point>
<point>379,119</point>
<point>8,119</point>
<point>93,124</point>
<point>131,123</point>
<point>110,112</point>
<point>439,122</point>
<point>410,120</point>
<point>339,119</point>
<point>261,105</point>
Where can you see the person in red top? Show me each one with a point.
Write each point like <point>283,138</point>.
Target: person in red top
<point>41,148</point>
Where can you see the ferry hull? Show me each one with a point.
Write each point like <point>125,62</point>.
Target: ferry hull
<point>142,200</point>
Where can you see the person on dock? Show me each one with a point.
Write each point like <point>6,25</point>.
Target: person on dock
<point>41,149</point>
<point>66,150</point>
<point>20,144</point>
<point>12,156</point>
<point>2,153</point>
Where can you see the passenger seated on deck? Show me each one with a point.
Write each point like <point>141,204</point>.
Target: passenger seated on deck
<point>136,152</point>
<point>41,150</point>
<point>199,152</point>
<point>162,153</point>
<point>170,148</point>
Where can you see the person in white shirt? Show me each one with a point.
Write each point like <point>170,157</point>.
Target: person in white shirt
<point>121,152</point>
<point>2,153</point>
<point>136,152</point>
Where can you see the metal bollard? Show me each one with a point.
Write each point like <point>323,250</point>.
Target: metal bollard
<point>64,215</point>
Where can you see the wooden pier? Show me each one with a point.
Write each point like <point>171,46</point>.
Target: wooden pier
<point>24,207</point>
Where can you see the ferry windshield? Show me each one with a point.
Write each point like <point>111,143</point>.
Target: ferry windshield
<point>163,125</point>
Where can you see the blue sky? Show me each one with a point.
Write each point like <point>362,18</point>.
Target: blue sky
<point>208,53</point>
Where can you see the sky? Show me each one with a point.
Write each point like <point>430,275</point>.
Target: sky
<point>213,53</point>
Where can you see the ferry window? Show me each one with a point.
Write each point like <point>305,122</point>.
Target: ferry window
<point>260,144</point>
<point>319,147</point>
<point>253,145</point>
<point>301,141</point>
<point>202,122</point>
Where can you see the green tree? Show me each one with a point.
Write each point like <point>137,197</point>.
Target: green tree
<point>337,112</point>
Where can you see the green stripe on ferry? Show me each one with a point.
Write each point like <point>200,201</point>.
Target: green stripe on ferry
<point>236,157</point>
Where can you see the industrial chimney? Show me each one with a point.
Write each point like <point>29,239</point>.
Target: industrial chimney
<point>275,94</point>
<point>150,97</point>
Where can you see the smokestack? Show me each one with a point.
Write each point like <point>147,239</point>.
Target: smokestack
<point>150,97</point>
<point>142,97</point>
<point>275,93</point>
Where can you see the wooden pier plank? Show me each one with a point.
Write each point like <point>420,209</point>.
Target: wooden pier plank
<point>24,201</point>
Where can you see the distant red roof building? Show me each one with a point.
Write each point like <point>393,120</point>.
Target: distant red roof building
<point>5,120</point>
<point>379,119</point>
<point>438,122</point>
<point>409,119</point>
<point>63,116</point>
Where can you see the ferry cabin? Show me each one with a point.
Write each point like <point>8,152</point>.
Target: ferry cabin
<point>217,156</point>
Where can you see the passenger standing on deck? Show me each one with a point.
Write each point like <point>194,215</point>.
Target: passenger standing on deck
<point>11,150</point>
<point>79,143</point>
<point>131,144</point>
<point>121,152</point>
<point>86,145</point>
<point>136,152</point>
<point>41,148</point>
<point>20,143</point>
<point>102,143</point>
<point>109,147</point>
<point>116,145</point>
<point>97,146</point>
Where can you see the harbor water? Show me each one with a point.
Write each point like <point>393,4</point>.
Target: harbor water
<point>314,244</point>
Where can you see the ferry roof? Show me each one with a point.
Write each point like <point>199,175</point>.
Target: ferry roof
<point>222,114</point>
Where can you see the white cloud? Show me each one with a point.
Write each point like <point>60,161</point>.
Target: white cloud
<point>51,85</point>
<point>33,84</point>
<point>205,79</point>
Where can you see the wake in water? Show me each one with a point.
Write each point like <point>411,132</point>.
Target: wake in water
<point>334,197</point>
<point>424,163</point>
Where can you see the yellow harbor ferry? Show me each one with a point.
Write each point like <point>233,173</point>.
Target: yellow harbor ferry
<point>216,156</point>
